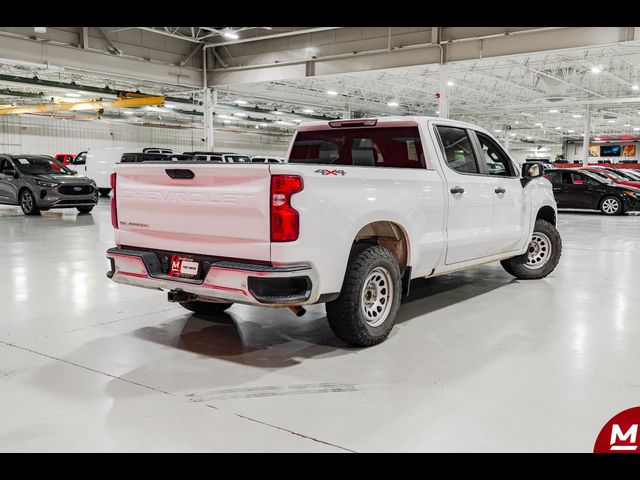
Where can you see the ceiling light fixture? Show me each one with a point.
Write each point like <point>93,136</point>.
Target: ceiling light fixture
<point>570,131</point>
<point>596,69</point>
<point>230,35</point>
<point>611,121</point>
<point>450,83</point>
<point>40,29</point>
<point>497,131</point>
<point>529,138</point>
<point>393,103</point>
<point>332,92</point>
<point>553,110</point>
<point>71,94</point>
<point>307,110</point>
<point>240,114</point>
<point>635,87</point>
<point>169,105</point>
<point>576,116</point>
<point>240,102</point>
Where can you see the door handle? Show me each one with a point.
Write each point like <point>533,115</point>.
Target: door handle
<point>500,190</point>
<point>457,190</point>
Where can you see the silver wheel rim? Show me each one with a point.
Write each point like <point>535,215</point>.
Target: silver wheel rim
<point>539,251</point>
<point>610,205</point>
<point>375,299</point>
<point>27,201</point>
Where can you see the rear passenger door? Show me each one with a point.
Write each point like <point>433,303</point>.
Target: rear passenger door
<point>510,220</point>
<point>470,197</point>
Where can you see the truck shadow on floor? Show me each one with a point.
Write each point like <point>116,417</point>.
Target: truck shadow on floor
<point>274,338</point>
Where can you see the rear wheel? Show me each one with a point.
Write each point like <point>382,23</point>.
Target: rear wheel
<point>611,206</point>
<point>84,209</point>
<point>104,192</point>
<point>366,310</point>
<point>28,203</point>
<point>206,308</point>
<point>543,254</point>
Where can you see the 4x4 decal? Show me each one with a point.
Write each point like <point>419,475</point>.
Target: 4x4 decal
<point>324,171</point>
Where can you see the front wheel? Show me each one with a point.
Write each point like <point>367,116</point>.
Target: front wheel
<point>611,206</point>
<point>84,209</point>
<point>366,310</point>
<point>206,308</point>
<point>104,192</point>
<point>543,254</point>
<point>28,203</point>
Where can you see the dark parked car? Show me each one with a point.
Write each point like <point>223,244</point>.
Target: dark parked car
<point>38,182</point>
<point>586,190</point>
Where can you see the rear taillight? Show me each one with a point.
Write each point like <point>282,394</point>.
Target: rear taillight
<point>114,208</point>
<point>285,220</point>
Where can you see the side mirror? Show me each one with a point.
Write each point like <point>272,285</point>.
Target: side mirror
<point>75,172</point>
<point>10,173</point>
<point>532,170</point>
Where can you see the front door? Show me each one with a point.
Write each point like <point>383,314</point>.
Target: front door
<point>7,183</point>
<point>510,221</point>
<point>576,191</point>
<point>470,197</point>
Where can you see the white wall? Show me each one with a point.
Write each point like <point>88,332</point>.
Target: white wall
<point>49,135</point>
<point>520,155</point>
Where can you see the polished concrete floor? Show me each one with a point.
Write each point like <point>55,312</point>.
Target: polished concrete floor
<point>478,362</point>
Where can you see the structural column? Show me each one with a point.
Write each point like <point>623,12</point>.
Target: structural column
<point>443,104</point>
<point>587,137</point>
<point>210,99</point>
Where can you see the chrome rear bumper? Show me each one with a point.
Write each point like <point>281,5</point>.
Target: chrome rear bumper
<point>225,281</point>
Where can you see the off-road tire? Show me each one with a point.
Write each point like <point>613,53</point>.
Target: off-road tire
<point>519,267</point>
<point>104,192</point>
<point>346,314</point>
<point>84,209</point>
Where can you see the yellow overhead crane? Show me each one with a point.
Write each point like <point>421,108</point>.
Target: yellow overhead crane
<point>124,100</point>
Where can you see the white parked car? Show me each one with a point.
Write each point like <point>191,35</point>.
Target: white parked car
<point>98,165</point>
<point>261,159</point>
<point>360,208</point>
<point>220,157</point>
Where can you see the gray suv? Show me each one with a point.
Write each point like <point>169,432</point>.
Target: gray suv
<point>38,183</point>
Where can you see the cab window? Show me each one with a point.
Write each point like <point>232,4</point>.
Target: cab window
<point>457,150</point>
<point>497,162</point>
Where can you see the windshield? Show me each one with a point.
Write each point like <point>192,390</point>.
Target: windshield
<point>615,176</point>
<point>41,166</point>
<point>598,177</point>
<point>624,176</point>
<point>632,175</point>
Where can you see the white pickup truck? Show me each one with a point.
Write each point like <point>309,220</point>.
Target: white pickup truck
<point>358,209</point>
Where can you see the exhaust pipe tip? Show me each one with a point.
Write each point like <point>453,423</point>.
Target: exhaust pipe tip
<point>298,311</point>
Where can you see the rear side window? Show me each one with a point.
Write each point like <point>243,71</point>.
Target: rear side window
<point>396,147</point>
<point>128,158</point>
<point>457,149</point>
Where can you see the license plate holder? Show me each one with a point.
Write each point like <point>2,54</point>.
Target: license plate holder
<point>184,267</point>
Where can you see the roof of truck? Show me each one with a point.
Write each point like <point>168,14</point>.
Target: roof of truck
<point>391,121</point>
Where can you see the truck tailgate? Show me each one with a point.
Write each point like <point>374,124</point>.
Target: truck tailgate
<point>222,211</point>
